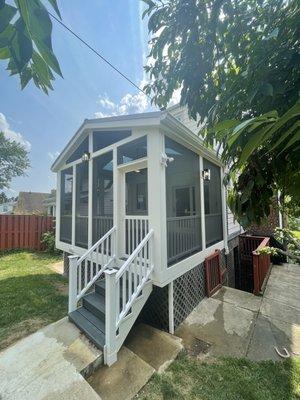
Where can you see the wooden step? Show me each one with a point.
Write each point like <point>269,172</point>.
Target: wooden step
<point>95,303</point>
<point>89,325</point>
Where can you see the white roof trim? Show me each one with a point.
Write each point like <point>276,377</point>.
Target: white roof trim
<point>158,118</point>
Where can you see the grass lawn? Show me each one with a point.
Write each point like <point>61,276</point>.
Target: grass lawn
<point>228,378</point>
<point>31,294</point>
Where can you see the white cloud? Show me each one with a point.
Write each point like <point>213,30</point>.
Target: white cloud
<point>53,156</point>
<point>10,134</point>
<point>129,104</point>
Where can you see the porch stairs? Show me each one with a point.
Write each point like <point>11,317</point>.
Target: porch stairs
<point>107,294</point>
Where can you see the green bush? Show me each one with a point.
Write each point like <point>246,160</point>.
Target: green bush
<point>48,240</point>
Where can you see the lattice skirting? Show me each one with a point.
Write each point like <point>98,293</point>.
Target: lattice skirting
<point>156,310</point>
<point>189,290</point>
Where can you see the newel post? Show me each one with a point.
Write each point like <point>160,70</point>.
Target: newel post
<point>72,283</point>
<point>110,353</point>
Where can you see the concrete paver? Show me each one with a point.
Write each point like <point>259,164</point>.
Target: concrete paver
<point>49,365</point>
<point>155,347</point>
<point>122,380</point>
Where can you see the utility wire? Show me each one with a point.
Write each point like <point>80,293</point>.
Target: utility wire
<point>98,54</point>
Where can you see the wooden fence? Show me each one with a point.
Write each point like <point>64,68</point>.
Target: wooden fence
<point>261,266</point>
<point>213,273</point>
<point>23,231</point>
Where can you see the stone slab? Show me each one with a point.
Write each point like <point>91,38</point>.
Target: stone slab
<point>49,365</point>
<point>270,333</point>
<point>224,326</point>
<point>124,379</point>
<point>155,347</point>
<point>277,310</point>
<point>238,298</point>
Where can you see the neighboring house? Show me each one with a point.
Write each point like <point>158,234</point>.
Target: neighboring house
<point>141,201</point>
<point>31,203</point>
<point>50,203</point>
<point>7,208</point>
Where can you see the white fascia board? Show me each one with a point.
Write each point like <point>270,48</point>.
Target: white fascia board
<point>179,132</point>
<point>119,122</point>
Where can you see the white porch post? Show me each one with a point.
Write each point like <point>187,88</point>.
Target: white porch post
<point>202,208</point>
<point>157,201</point>
<point>117,206</point>
<point>72,283</point>
<point>73,205</point>
<point>110,354</point>
<point>171,307</point>
<point>57,217</point>
<point>224,211</point>
<point>90,193</point>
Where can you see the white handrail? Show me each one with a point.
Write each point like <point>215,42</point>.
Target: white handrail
<point>101,240</point>
<point>134,254</point>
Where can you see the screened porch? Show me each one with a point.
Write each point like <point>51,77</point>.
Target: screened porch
<point>120,178</point>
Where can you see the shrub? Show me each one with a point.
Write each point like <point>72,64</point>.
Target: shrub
<point>48,240</point>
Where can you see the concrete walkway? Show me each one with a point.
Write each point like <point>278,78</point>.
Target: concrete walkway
<point>49,364</point>
<point>236,323</point>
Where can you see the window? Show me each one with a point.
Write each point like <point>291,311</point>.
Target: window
<point>82,194</point>
<point>133,150</point>
<point>213,204</point>
<point>103,192</point>
<point>102,139</point>
<point>66,205</point>
<point>182,202</point>
<point>77,154</point>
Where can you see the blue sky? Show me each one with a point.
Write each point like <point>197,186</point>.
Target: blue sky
<point>89,88</point>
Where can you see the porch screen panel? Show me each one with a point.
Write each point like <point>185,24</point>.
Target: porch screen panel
<point>182,202</point>
<point>77,154</point>
<point>66,205</point>
<point>213,204</point>
<point>81,217</point>
<point>132,150</point>
<point>102,195</point>
<point>102,139</point>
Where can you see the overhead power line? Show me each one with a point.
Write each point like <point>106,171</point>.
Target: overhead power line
<point>97,53</point>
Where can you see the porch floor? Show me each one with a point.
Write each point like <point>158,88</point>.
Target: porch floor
<point>239,324</point>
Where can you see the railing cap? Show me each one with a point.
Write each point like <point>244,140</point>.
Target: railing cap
<point>73,257</point>
<point>112,271</point>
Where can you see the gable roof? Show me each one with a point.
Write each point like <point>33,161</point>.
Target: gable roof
<point>31,203</point>
<point>156,118</point>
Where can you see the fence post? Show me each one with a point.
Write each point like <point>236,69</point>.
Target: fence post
<point>72,283</point>
<point>110,353</point>
<point>256,285</point>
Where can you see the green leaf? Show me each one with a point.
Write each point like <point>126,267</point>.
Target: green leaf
<point>55,7</point>
<point>6,14</point>
<point>25,76</point>
<point>4,53</point>
<point>292,141</point>
<point>21,46</point>
<point>286,134</point>
<point>7,35</point>
<point>39,26</point>
<point>267,89</point>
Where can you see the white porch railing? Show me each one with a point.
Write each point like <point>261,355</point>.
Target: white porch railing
<point>136,228</point>
<point>86,270</point>
<point>123,287</point>
<point>184,236</point>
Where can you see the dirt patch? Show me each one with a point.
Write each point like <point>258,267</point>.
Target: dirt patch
<point>57,267</point>
<point>62,288</point>
<point>20,330</point>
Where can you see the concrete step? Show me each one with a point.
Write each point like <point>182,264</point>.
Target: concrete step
<point>89,325</point>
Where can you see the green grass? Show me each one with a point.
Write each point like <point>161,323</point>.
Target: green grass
<point>31,294</point>
<point>225,379</point>
<point>297,234</point>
